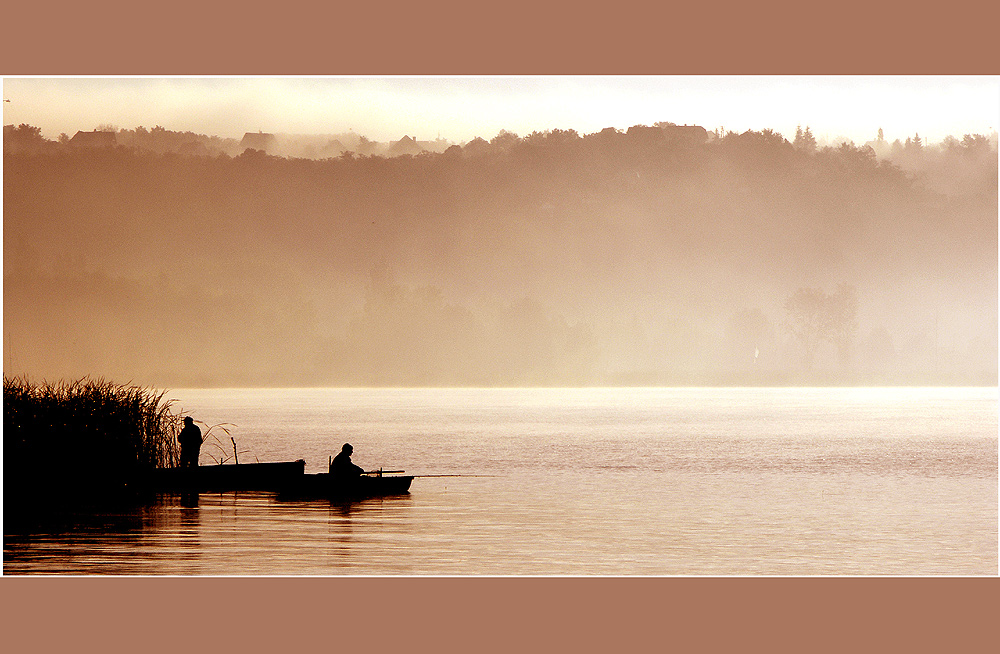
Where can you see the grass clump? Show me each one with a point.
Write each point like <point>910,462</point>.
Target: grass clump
<point>82,442</point>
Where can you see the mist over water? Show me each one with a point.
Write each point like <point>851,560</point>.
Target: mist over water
<point>657,255</point>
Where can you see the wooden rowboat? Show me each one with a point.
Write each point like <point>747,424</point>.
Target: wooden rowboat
<point>286,478</point>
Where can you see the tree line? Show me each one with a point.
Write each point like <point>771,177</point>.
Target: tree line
<point>657,254</point>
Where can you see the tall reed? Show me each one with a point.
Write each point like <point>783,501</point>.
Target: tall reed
<point>83,440</point>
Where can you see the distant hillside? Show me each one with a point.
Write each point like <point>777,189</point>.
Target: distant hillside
<point>656,255</point>
<point>159,140</point>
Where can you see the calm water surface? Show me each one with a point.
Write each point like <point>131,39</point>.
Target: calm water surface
<point>581,482</point>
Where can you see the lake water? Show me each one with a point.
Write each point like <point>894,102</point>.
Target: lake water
<point>760,481</point>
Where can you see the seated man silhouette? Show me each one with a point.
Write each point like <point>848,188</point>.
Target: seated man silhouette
<point>342,467</point>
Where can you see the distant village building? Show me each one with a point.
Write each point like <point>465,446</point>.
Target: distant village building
<point>257,141</point>
<point>334,148</point>
<point>880,146</point>
<point>405,145</point>
<point>94,139</point>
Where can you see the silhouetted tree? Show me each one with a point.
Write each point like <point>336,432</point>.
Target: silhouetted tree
<point>950,143</point>
<point>754,148</point>
<point>856,157</point>
<point>476,147</point>
<point>22,137</point>
<point>842,321</point>
<point>975,144</point>
<point>505,141</point>
<point>815,317</point>
<point>366,147</point>
<point>914,145</point>
<point>804,139</point>
<point>806,310</point>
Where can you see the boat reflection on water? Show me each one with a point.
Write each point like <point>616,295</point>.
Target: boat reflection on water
<point>346,506</point>
<point>220,533</point>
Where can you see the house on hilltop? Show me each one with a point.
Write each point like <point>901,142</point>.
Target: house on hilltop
<point>258,141</point>
<point>333,148</point>
<point>94,139</point>
<point>410,145</point>
<point>405,145</point>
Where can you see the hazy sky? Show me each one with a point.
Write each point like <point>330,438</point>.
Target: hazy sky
<point>460,108</point>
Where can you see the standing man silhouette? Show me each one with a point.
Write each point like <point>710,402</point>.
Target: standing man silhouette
<point>190,440</point>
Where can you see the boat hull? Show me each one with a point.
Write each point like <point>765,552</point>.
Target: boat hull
<point>231,477</point>
<point>287,479</point>
<point>325,486</point>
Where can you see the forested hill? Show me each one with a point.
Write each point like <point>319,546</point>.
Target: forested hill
<point>657,255</point>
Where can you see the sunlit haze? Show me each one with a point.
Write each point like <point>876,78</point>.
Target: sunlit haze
<point>459,109</point>
<point>502,231</point>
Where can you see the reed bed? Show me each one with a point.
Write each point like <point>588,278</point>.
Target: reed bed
<point>82,441</point>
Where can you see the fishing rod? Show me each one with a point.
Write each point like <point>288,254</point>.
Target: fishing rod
<point>454,475</point>
<point>380,472</point>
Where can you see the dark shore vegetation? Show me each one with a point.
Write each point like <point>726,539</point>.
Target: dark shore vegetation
<point>75,445</point>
